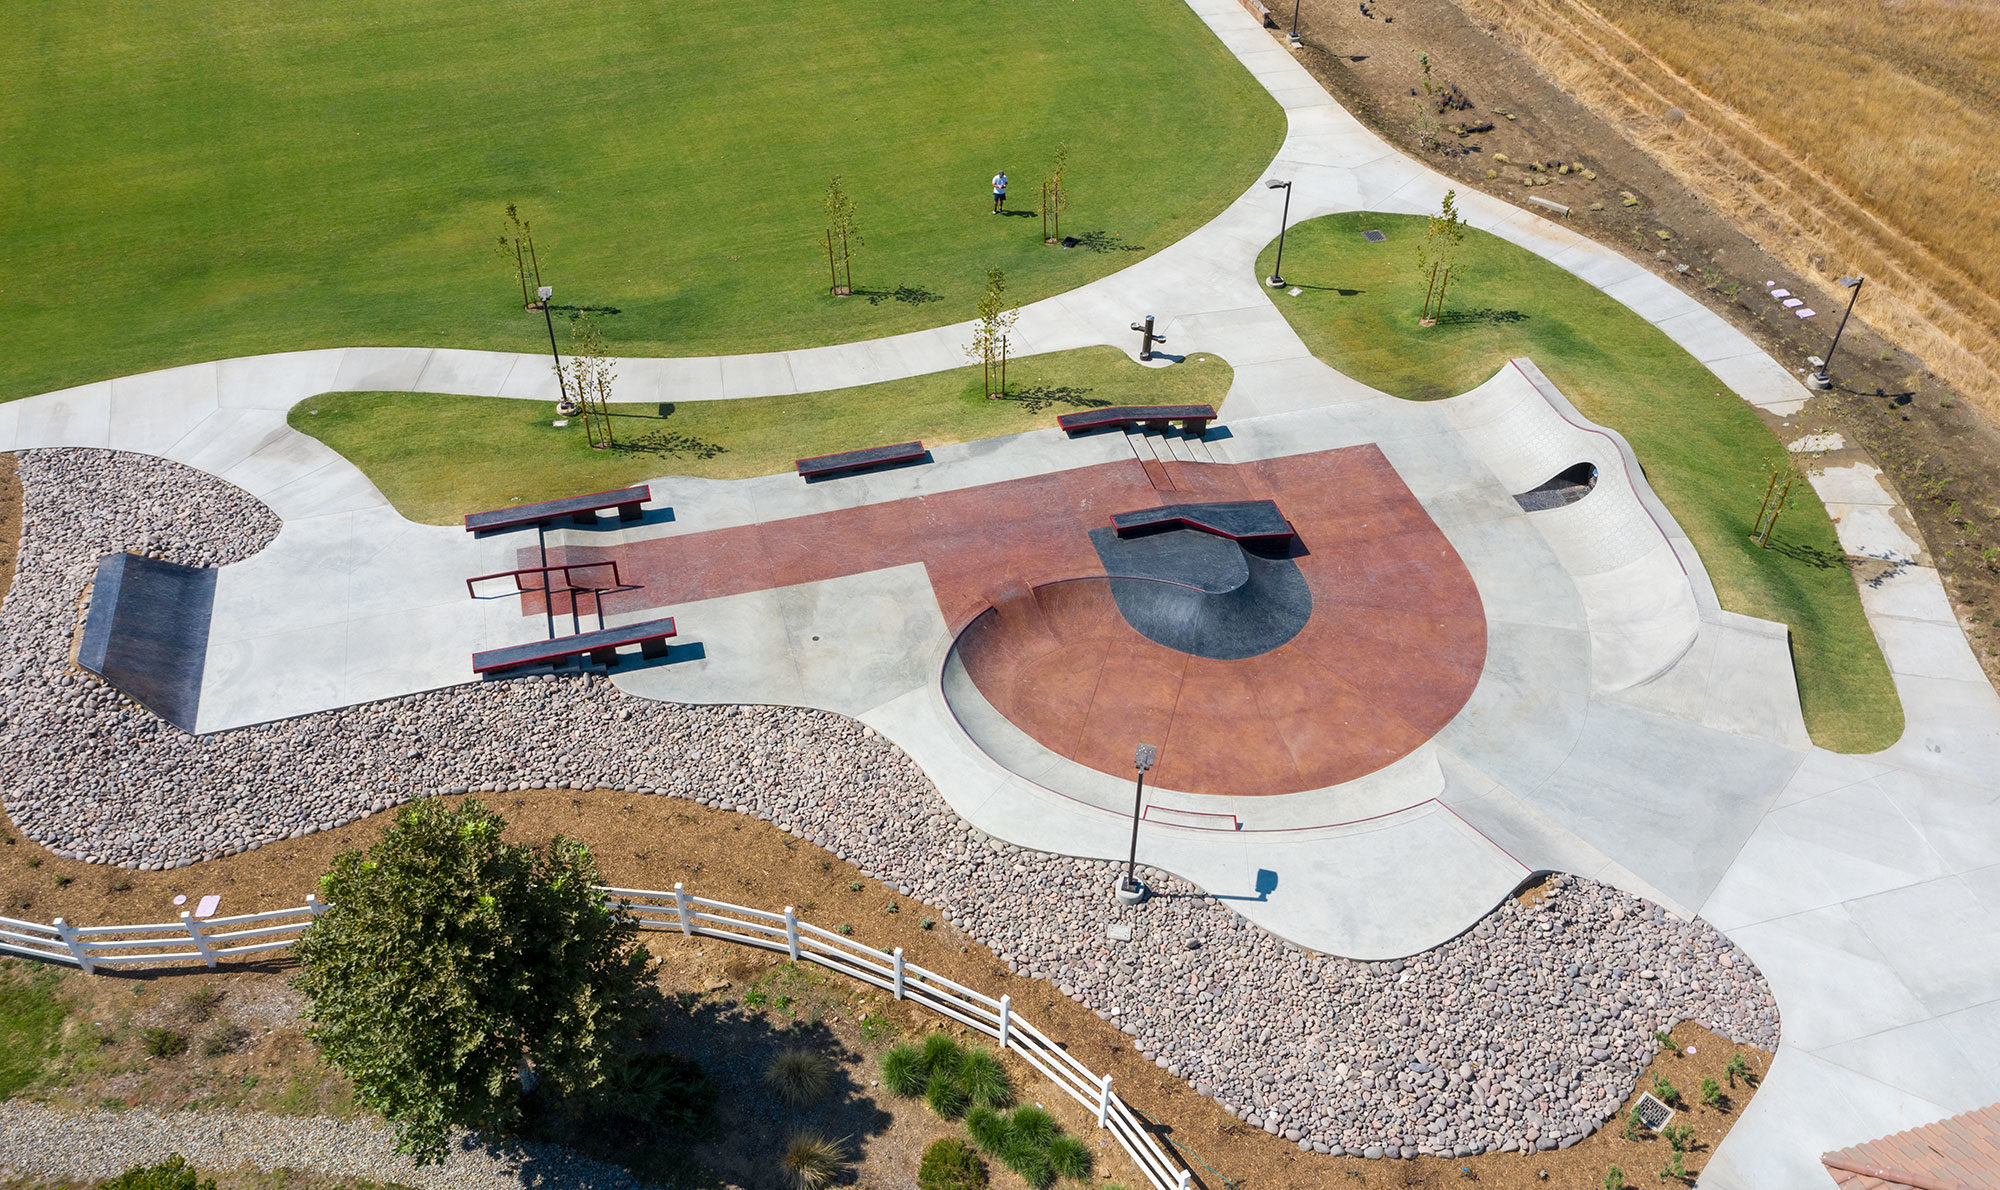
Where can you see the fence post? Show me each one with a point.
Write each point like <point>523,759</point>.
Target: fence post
<point>313,906</point>
<point>792,932</point>
<point>897,954</point>
<point>681,905</point>
<point>200,943</point>
<point>1181,1180</point>
<point>1006,1018</point>
<point>1104,1102</point>
<point>75,945</point>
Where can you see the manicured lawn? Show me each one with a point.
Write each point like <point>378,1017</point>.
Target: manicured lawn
<point>1704,450</point>
<point>31,1023</point>
<point>439,457</point>
<point>190,180</point>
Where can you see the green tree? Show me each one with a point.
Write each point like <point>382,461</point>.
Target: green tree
<point>841,237</point>
<point>1055,196</point>
<point>1438,253</point>
<point>989,334</point>
<point>591,371</point>
<point>452,967</point>
<point>517,245</point>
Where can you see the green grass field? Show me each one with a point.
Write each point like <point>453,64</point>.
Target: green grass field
<point>193,180</point>
<point>1704,450</point>
<point>439,457</point>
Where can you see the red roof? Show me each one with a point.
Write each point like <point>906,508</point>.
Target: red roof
<point>1962,1153</point>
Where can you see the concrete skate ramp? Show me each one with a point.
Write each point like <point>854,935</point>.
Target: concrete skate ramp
<point>1205,595</point>
<point>1063,663</point>
<point>1637,594</point>
<point>147,633</point>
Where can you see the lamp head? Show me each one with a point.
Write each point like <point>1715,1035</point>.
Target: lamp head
<point>1851,282</point>
<point>546,292</point>
<point>1278,184</point>
<point>1142,757</point>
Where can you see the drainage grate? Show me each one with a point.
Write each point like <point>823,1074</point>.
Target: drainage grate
<point>1374,237</point>
<point>1652,1113</point>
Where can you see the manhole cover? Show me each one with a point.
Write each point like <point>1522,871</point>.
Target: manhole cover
<point>1652,1113</point>
<point>1374,237</point>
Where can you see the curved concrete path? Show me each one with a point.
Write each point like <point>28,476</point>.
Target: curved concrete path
<point>1868,889</point>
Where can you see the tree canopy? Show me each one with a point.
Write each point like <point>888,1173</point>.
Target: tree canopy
<point>451,963</point>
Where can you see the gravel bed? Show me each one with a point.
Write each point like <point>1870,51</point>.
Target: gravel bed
<point>1524,1033</point>
<point>42,1142</point>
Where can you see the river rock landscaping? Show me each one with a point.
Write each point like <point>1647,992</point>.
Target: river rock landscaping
<point>1524,1033</point>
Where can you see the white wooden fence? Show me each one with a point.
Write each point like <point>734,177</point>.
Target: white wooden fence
<point>214,939</point>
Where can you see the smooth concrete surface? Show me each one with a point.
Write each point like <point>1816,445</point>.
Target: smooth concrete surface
<point>1863,886</point>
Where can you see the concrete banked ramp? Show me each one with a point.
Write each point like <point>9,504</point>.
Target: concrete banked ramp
<point>1636,595</point>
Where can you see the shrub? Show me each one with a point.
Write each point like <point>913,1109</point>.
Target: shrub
<point>1635,1126</point>
<point>225,1039</point>
<point>1664,1091</point>
<point>1034,1124</point>
<point>800,1077</point>
<point>813,1161</point>
<point>985,1080</point>
<point>1711,1093</point>
<point>1666,1042</point>
<point>1736,1069</point>
<point>941,1053</point>
<point>1030,1143</point>
<point>903,1071</point>
<point>949,1165</point>
<point>988,1129</point>
<point>172,1174</point>
<point>1680,1136</point>
<point>201,1003</point>
<point>1071,1158</point>
<point>945,1096</point>
<point>1675,1170</point>
<point>161,1042</point>
<point>1614,1179</point>
<point>1029,1161</point>
<point>662,1092</point>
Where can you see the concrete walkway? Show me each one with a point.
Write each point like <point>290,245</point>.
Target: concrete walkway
<point>1650,742</point>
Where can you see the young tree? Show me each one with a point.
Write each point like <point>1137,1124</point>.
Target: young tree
<point>517,244</point>
<point>1437,254</point>
<point>989,335</point>
<point>451,967</point>
<point>1055,196</point>
<point>1785,474</point>
<point>841,237</point>
<point>589,373</point>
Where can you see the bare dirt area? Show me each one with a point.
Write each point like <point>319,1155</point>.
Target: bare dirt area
<point>744,1005</point>
<point>1941,455</point>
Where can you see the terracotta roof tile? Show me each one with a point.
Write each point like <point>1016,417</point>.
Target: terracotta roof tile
<point>1961,1153</point>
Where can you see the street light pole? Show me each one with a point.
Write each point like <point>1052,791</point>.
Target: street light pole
<point>545,293</point>
<point>1293,36</point>
<point>1277,277</point>
<point>1129,889</point>
<point>1853,285</point>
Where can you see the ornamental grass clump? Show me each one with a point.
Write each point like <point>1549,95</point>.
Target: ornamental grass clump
<point>1031,1143</point>
<point>950,1165</point>
<point>948,1077</point>
<point>800,1077</point>
<point>812,1161</point>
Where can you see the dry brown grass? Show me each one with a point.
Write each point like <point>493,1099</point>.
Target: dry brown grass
<point>1845,135</point>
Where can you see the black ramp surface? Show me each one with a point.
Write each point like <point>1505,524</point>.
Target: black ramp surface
<point>147,633</point>
<point>1205,595</point>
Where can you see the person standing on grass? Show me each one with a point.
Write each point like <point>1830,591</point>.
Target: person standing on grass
<point>999,191</point>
